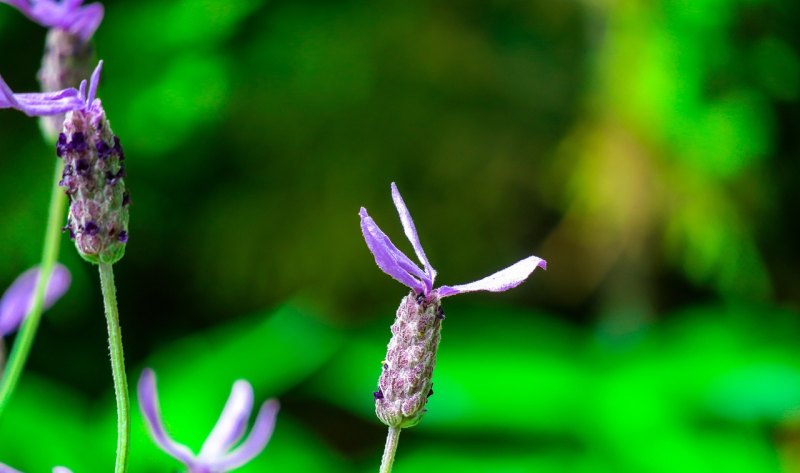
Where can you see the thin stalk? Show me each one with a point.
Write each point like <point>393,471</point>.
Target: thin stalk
<point>50,248</point>
<point>117,366</point>
<point>388,452</point>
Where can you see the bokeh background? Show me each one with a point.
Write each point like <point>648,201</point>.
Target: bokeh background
<point>647,149</point>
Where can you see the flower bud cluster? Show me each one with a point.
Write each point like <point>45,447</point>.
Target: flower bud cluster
<point>406,381</point>
<point>93,178</point>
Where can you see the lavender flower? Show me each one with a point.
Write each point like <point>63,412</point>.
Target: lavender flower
<point>67,15</point>
<point>18,298</point>
<point>8,469</point>
<point>93,178</point>
<point>40,104</point>
<point>216,455</point>
<point>406,380</point>
<point>69,54</point>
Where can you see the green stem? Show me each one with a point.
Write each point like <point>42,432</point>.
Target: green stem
<point>117,366</point>
<point>24,340</point>
<point>388,451</point>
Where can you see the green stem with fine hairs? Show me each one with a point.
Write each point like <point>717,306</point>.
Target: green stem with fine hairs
<point>24,340</point>
<point>391,447</point>
<point>117,366</point>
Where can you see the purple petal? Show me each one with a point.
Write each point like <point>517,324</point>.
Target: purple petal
<point>7,469</point>
<point>231,424</point>
<point>68,15</point>
<point>148,402</point>
<point>61,469</point>
<point>411,234</point>
<point>94,83</point>
<point>40,104</point>
<point>500,281</point>
<point>391,260</point>
<point>18,298</point>
<point>256,441</point>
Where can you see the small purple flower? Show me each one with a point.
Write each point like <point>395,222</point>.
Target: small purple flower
<point>397,265</point>
<point>68,15</point>
<point>40,104</point>
<point>7,469</point>
<point>18,298</point>
<point>216,455</point>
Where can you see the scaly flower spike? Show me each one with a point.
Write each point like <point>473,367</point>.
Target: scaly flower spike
<point>407,377</point>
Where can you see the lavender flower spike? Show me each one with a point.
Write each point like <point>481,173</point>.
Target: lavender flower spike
<point>40,104</point>
<point>18,298</point>
<point>8,469</point>
<point>217,454</point>
<point>407,377</point>
<point>67,15</point>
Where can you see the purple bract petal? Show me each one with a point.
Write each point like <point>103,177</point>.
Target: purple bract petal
<point>7,469</point>
<point>391,260</point>
<point>18,298</point>
<point>499,281</point>
<point>231,424</point>
<point>411,234</point>
<point>148,402</point>
<point>68,15</point>
<point>61,469</point>
<point>40,104</point>
<point>255,442</point>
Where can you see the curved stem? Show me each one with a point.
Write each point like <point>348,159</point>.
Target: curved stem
<point>388,451</point>
<point>24,340</point>
<point>117,366</point>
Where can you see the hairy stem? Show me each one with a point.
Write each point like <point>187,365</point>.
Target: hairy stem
<point>24,340</point>
<point>117,366</point>
<point>388,451</point>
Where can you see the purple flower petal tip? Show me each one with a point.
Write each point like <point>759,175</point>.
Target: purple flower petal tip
<point>400,267</point>
<point>216,455</point>
<point>7,469</point>
<point>18,298</point>
<point>40,104</point>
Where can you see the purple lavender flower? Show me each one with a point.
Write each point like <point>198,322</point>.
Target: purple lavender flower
<point>69,54</point>
<point>216,455</point>
<point>40,104</point>
<point>8,469</point>
<point>18,298</point>
<point>406,381</point>
<point>67,15</point>
<point>93,178</point>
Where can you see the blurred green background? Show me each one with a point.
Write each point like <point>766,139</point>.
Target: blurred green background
<point>647,149</point>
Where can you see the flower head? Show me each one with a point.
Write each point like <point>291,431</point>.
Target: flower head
<point>217,454</point>
<point>40,104</point>
<point>397,265</point>
<point>18,298</point>
<point>7,469</point>
<point>68,15</point>
<point>93,177</point>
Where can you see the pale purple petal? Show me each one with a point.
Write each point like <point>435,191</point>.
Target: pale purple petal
<point>61,469</point>
<point>499,281</point>
<point>391,260</point>
<point>231,424</point>
<point>7,469</point>
<point>68,15</point>
<point>18,298</point>
<point>255,442</point>
<point>148,402</point>
<point>411,234</point>
<point>40,104</point>
<point>94,83</point>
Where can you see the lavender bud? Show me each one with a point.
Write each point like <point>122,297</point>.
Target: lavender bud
<point>406,379</point>
<point>93,178</point>
<point>67,60</point>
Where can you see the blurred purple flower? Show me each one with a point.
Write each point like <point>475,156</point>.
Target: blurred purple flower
<point>8,469</point>
<point>216,455</point>
<point>40,104</point>
<point>68,15</point>
<point>18,298</point>
<point>397,265</point>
